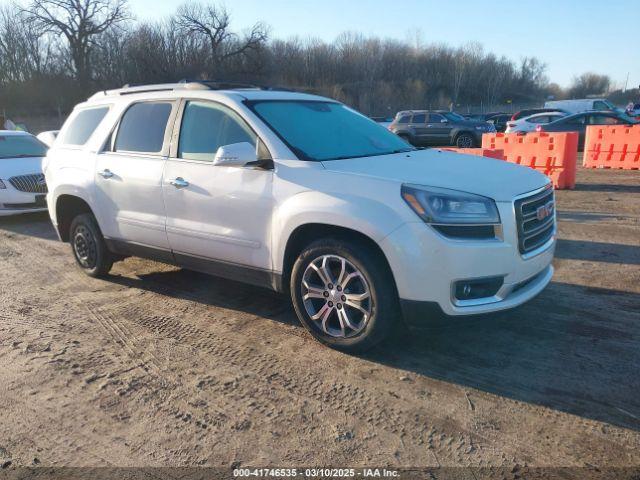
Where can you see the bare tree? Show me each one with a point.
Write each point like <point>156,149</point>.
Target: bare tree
<point>211,24</point>
<point>589,84</point>
<point>24,53</point>
<point>79,22</point>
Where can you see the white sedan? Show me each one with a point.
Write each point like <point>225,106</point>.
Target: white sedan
<point>529,124</point>
<point>22,185</point>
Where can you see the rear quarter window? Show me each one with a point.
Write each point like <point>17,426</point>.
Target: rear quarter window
<point>82,126</point>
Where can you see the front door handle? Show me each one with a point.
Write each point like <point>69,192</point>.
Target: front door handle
<point>179,182</point>
<point>106,173</point>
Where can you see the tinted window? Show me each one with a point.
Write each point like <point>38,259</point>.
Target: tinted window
<point>600,105</point>
<point>142,128</point>
<point>15,146</point>
<point>435,118</point>
<point>576,120</point>
<point>83,124</point>
<point>419,118</point>
<point>603,120</point>
<point>209,126</point>
<point>405,119</point>
<point>542,119</point>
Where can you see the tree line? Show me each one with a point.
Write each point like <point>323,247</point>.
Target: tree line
<point>54,53</point>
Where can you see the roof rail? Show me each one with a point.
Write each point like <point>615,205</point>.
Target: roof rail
<point>225,85</point>
<point>185,84</point>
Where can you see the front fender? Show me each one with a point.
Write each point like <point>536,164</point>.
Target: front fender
<point>370,217</point>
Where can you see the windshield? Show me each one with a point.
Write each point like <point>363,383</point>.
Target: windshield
<point>319,130</point>
<point>17,146</point>
<point>454,117</point>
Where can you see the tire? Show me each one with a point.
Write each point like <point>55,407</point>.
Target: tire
<point>364,273</point>
<point>88,246</point>
<point>465,140</point>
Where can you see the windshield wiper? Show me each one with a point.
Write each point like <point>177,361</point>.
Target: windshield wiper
<point>22,155</point>
<point>393,152</point>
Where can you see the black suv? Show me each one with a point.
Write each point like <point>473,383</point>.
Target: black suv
<point>439,127</point>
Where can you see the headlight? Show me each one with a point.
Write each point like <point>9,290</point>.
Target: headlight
<point>440,206</point>
<point>2,185</point>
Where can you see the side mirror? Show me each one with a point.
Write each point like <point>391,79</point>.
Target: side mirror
<point>444,120</point>
<point>235,155</point>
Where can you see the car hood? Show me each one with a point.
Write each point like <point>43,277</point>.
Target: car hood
<point>491,178</point>
<point>10,167</point>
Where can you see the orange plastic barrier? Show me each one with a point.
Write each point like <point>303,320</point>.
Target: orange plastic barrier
<point>553,154</point>
<point>481,152</point>
<point>612,146</point>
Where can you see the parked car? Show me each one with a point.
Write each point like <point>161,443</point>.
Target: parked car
<point>481,116</point>
<point>582,105</point>
<point>47,137</point>
<point>22,185</point>
<point>499,121</point>
<point>384,121</point>
<point>579,122</point>
<point>529,124</point>
<point>300,194</point>
<point>439,127</point>
<point>532,111</point>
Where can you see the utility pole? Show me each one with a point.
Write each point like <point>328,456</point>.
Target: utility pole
<point>625,83</point>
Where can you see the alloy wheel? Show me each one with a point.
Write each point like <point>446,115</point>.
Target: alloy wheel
<point>336,296</point>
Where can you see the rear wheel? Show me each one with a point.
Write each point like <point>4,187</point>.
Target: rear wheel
<point>465,140</point>
<point>88,246</point>
<point>344,294</point>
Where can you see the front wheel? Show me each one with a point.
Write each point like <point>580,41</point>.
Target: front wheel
<point>465,140</point>
<point>344,294</point>
<point>88,246</point>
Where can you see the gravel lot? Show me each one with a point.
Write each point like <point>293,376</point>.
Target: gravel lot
<point>157,366</point>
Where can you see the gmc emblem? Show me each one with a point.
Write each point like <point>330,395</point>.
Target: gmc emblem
<point>544,211</point>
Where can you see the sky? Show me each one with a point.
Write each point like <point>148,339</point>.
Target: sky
<point>570,36</point>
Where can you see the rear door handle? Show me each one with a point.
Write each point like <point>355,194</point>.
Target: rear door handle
<point>106,173</point>
<point>179,182</point>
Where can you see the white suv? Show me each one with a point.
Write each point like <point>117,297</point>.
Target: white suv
<point>300,194</point>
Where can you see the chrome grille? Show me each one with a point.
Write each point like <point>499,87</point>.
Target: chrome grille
<point>535,217</point>
<point>33,183</point>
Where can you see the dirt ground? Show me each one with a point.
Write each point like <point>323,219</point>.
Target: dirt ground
<point>157,366</point>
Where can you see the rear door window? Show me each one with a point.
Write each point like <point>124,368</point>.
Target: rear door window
<point>405,119</point>
<point>419,118</point>
<point>82,126</point>
<point>142,128</point>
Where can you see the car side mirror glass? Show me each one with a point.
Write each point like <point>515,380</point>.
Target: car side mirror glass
<point>235,154</point>
<point>444,120</point>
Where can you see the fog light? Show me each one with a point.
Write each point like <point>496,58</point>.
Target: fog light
<point>477,288</point>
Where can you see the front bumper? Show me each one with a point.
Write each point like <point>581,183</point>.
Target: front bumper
<point>426,265</point>
<point>14,202</point>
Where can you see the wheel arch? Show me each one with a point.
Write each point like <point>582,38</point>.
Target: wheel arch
<point>304,234</point>
<point>67,207</point>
